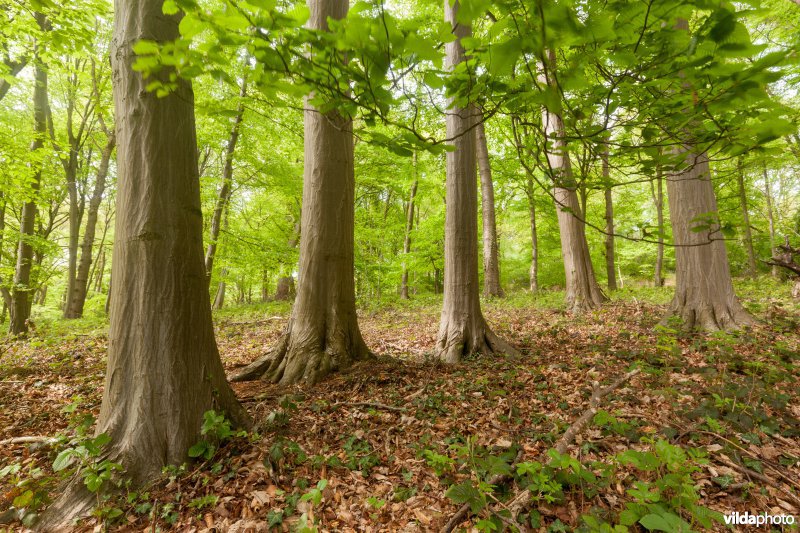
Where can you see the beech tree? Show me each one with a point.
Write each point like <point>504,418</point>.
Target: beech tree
<point>704,296</point>
<point>164,369</point>
<point>491,265</point>
<point>583,291</point>
<point>22,292</point>
<point>462,329</point>
<point>322,334</point>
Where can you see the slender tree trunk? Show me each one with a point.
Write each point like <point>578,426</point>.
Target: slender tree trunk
<point>14,68</point>
<point>409,227</point>
<point>658,197</point>
<point>773,240</point>
<point>76,298</point>
<point>752,268</point>
<point>611,270</point>
<point>322,334</point>
<point>5,294</point>
<point>534,270</point>
<point>462,329</point>
<point>164,369</point>
<point>22,291</point>
<point>264,284</point>
<point>583,292</point>
<point>219,297</point>
<point>704,297</point>
<point>71,171</point>
<point>491,265</point>
<point>225,191</point>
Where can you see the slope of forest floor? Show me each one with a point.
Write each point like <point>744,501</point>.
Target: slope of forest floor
<point>709,424</point>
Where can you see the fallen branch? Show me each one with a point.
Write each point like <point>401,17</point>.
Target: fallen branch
<point>371,404</point>
<point>564,442</point>
<point>523,498</point>
<point>29,440</point>
<point>724,459</point>
<point>461,514</point>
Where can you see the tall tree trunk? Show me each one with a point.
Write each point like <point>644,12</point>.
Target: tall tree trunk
<point>164,369</point>
<point>5,294</point>
<point>219,297</point>
<point>491,265</point>
<point>704,297</point>
<point>264,284</point>
<point>409,227</point>
<point>658,198</point>
<point>773,241</point>
<point>534,270</point>
<point>322,334</point>
<point>225,191</point>
<point>462,330</point>
<point>611,270</point>
<point>583,292</point>
<point>752,269</point>
<point>76,298</point>
<point>14,68</point>
<point>23,291</point>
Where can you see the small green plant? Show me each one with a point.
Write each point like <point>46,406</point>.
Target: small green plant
<point>440,463</point>
<point>86,455</point>
<point>209,500</point>
<point>216,429</point>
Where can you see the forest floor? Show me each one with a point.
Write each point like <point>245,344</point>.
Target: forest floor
<point>711,423</point>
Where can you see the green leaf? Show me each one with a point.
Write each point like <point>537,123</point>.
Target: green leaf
<point>63,460</point>
<point>190,26</point>
<point>23,499</point>
<point>198,449</point>
<point>93,482</point>
<point>465,492</point>
<point>664,522</point>
<point>145,47</point>
<point>169,7</point>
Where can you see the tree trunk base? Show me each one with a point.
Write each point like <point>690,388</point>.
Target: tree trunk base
<point>74,503</point>
<point>305,358</point>
<point>578,305</point>
<point>705,316</point>
<point>459,340</point>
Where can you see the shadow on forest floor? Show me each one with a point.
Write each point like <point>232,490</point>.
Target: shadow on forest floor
<point>710,422</point>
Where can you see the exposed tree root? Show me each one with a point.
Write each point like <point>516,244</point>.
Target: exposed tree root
<point>708,316</point>
<point>306,358</point>
<point>45,441</point>
<point>459,340</point>
<point>74,503</point>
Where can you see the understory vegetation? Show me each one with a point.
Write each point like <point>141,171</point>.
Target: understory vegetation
<point>709,425</point>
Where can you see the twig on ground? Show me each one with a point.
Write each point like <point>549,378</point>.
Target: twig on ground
<point>29,440</point>
<point>376,405</point>
<point>724,459</point>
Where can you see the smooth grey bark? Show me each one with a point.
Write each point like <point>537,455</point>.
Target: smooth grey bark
<point>773,241</point>
<point>752,269</point>
<point>658,199</point>
<point>611,270</point>
<point>14,68</point>
<point>70,163</point>
<point>164,369</point>
<point>462,329</point>
<point>409,227</point>
<point>76,298</point>
<point>704,296</point>
<point>22,291</point>
<point>322,335</point>
<point>5,294</point>
<point>582,290</point>
<point>533,274</point>
<point>491,265</point>
<point>224,195</point>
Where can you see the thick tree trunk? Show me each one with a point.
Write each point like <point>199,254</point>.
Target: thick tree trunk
<point>76,298</point>
<point>491,265</point>
<point>773,241</point>
<point>22,291</point>
<point>658,198</point>
<point>322,335</point>
<point>752,269</point>
<point>611,269</point>
<point>534,270</point>
<point>226,190</point>
<point>462,330</point>
<point>407,239</point>
<point>704,297</point>
<point>164,369</point>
